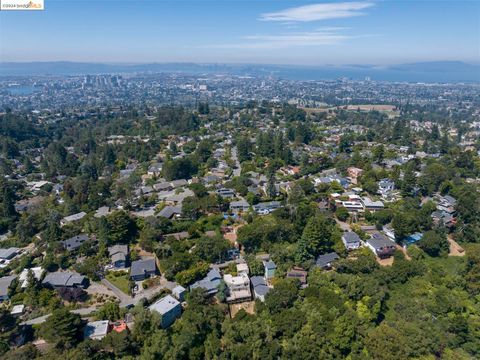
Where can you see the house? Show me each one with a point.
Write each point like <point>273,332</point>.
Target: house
<point>226,193</point>
<point>65,279</point>
<point>239,206</point>
<point>380,245</point>
<point>162,186</point>
<point>238,287</point>
<point>443,218</point>
<point>270,268</point>
<point>178,236</point>
<point>266,207</point>
<point>352,206</point>
<point>23,277</point>
<point>325,261</point>
<point>169,308</point>
<point>143,269</point>
<point>96,330</point>
<point>385,187</point>
<point>259,287</point>
<point>72,218</point>
<point>446,203</point>
<point>118,255</point>
<point>169,212</point>
<point>371,205</point>
<point>17,310</point>
<point>101,212</point>
<point>351,240</point>
<point>155,169</point>
<point>9,254</point>
<point>354,173</point>
<point>75,242</point>
<point>242,268</point>
<point>179,183</point>
<point>5,283</point>
<point>290,170</point>
<point>299,274</point>
<point>178,292</point>
<point>210,283</point>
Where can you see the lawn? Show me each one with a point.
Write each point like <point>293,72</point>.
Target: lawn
<point>120,280</point>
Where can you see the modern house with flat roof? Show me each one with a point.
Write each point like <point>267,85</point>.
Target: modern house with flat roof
<point>169,308</point>
<point>96,330</point>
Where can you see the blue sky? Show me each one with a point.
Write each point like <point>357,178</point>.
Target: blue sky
<point>244,31</point>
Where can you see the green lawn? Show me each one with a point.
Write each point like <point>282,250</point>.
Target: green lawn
<point>121,281</point>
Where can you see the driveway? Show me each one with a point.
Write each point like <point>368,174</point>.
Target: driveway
<point>124,298</point>
<point>141,294</point>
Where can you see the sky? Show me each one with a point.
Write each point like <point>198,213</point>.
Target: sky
<point>381,32</point>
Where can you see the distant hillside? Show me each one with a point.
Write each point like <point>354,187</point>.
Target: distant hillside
<point>439,71</point>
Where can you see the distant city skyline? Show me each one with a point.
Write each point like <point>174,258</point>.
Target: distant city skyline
<point>270,32</point>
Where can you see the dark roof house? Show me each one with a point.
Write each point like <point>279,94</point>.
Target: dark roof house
<point>325,261</point>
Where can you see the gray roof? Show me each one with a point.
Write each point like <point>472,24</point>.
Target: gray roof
<point>209,283</point>
<point>169,211</point>
<point>74,217</point>
<point>164,305</point>
<point>75,242</point>
<point>66,278</point>
<point>96,328</point>
<point>326,259</point>
<point>5,283</point>
<point>267,205</point>
<point>351,237</point>
<point>118,257</point>
<point>119,248</point>
<point>270,265</point>
<point>8,253</point>
<point>259,285</point>
<point>380,241</point>
<point>162,186</point>
<point>141,267</point>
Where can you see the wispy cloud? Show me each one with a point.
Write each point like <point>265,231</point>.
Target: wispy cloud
<point>294,39</point>
<point>318,12</point>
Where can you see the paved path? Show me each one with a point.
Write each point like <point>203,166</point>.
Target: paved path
<point>343,225</point>
<point>41,319</point>
<point>124,298</point>
<point>238,170</point>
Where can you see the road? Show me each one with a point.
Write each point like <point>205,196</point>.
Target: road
<point>41,319</point>
<point>238,167</point>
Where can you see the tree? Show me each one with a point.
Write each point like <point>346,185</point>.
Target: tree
<point>121,227</point>
<point>386,343</point>
<point>341,213</point>
<point>434,243</point>
<point>61,329</point>
<point>317,238</point>
<point>109,311</point>
<point>244,148</point>
<point>282,296</point>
